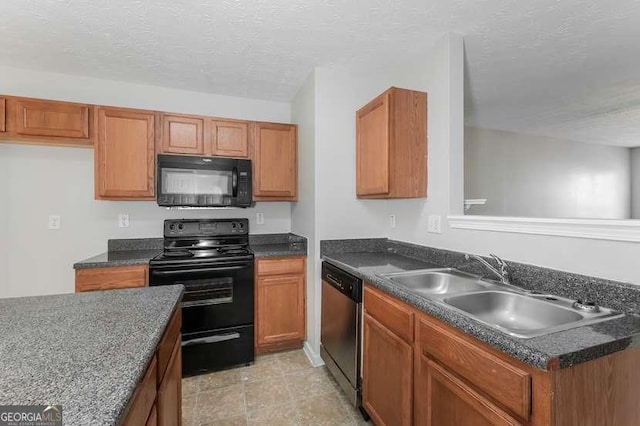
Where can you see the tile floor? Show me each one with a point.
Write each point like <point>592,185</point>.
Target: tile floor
<point>278,389</point>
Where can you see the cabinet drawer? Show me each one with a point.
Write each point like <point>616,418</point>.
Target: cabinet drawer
<point>392,314</point>
<point>281,266</point>
<point>111,278</point>
<point>505,383</point>
<point>165,348</point>
<point>143,398</point>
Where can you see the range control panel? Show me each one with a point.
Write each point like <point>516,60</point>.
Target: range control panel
<point>205,227</point>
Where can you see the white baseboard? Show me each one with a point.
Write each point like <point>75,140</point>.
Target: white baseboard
<point>314,357</point>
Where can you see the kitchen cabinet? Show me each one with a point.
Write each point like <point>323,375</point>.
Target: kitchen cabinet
<point>391,146</point>
<point>388,362</point>
<point>280,303</point>
<point>197,135</point>
<point>182,134</point>
<point>229,138</point>
<point>125,154</point>
<point>3,114</point>
<point>275,162</point>
<point>158,398</point>
<point>452,402</point>
<point>457,379</point>
<point>111,278</point>
<point>25,120</point>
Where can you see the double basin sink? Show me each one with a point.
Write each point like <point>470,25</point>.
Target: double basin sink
<point>516,312</point>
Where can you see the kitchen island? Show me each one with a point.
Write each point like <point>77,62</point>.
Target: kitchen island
<point>89,352</point>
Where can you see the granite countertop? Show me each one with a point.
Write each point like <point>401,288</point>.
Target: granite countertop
<point>84,351</point>
<point>139,251</point>
<point>557,350</point>
<point>118,258</point>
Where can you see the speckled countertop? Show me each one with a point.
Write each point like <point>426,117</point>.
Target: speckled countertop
<point>118,258</point>
<point>140,251</point>
<point>557,350</point>
<point>85,351</point>
<point>277,245</point>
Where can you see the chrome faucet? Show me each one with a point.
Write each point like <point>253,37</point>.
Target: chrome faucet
<point>502,272</point>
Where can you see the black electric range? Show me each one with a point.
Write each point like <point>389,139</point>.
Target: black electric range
<point>212,259</point>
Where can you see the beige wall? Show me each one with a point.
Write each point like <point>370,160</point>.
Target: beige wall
<point>535,176</point>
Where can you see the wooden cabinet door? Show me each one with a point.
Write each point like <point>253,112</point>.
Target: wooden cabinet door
<point>169,402</point>
<point>275,161</point>
<point>125,154</point>
<point>372,147</point>
<point>3,114</point>
<point>387,381</point>
<point>442,399</point>
<point>280,306</point>
<point>182,135</point>
<point>51,118</point>
<point>111,278</point>
<point>230,138</point>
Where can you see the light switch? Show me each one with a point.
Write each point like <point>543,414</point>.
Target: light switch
<point>54,221</point>
<point>123,220</point>
<point>392,221</point>
<point>434,224</point>
<point>260,218</point>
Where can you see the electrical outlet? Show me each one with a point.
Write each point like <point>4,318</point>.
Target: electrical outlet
<point>54,221</point>
<point>392,221</point>
<point>123,220</point>
<point>260,218</point>
<point>434,224</point>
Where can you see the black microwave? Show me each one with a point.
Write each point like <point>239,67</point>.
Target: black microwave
<point>187,181</point>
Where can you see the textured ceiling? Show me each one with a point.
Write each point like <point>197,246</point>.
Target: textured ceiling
<point>567,68</point>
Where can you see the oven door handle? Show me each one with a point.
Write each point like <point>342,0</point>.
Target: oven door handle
<point>188,271</point>
<point>212,339</point>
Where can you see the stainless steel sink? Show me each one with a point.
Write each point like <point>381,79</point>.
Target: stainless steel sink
<point>438,281</point>
<point>524,315</point>
<point>501,306</point>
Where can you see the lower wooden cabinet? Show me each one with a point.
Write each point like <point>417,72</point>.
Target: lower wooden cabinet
<point>158,398</point>
<point>388,368</point>
<point>111,278</point>
<point>451,402</point>
<point>421,371</point>
<point>170,390</point>
<point>280,303</point>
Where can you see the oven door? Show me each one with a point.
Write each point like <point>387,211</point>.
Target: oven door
<point>216,295</point>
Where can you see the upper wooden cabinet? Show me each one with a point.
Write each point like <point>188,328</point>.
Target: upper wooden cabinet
<point>3,114</point>
<point>182,134</point>
<point>197,135</point>
<point>125,154</point>
<point>46,122</point>
<point>229,138</point>
<point>275,162</point>
<point>391,146</point>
